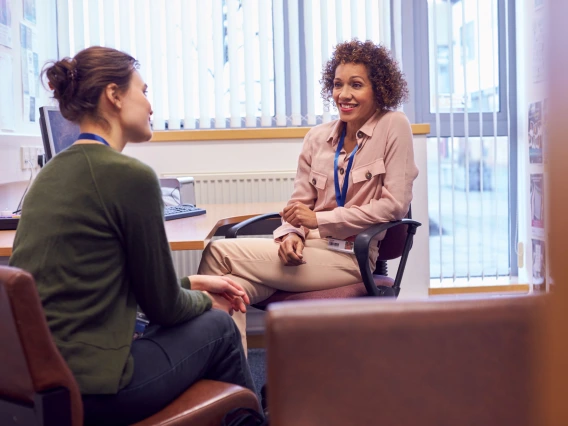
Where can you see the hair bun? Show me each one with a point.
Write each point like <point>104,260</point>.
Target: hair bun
<point>60,74</point>
<point>72,74</point>
<point>62,78</point>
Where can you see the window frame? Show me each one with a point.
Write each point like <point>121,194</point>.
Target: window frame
<point>422,81</point>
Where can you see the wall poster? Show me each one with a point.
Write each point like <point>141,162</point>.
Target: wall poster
<point>538,265</point>
<point>535,133</point>
<point>6,23</point>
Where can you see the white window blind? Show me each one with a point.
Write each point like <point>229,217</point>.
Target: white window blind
<point>225,63</point>
<point>470,172</point>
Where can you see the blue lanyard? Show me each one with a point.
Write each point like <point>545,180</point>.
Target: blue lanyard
<point>341,195</point>
<point>92,137</point>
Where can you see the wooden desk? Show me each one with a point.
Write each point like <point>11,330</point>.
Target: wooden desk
<point>192,233</point>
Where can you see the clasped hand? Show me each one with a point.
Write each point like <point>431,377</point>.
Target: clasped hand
<point>225,294</point>
<point>292,246</point>
<point>299,214</point>
<point>291,250</point>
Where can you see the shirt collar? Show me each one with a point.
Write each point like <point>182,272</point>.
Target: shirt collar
<point>367,128</point>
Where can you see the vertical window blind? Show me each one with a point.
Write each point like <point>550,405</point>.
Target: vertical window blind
<point>226,63</point>
<point>470,171</point>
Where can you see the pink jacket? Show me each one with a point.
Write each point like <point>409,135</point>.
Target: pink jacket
<point>380,182</point>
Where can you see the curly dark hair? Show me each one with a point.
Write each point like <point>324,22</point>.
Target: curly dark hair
<point>388,82</point>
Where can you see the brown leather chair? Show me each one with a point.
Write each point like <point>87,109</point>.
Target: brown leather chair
<point>396,243</point>
<point>380,362</point>
<point>37,387</point>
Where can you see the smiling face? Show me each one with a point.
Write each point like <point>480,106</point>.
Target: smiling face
<point>353,94</point>
<point>136,111</point>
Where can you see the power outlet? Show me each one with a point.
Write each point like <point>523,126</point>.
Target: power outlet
<point>28,157</point>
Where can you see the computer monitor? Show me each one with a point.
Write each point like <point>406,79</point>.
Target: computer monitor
<point>57,132</point>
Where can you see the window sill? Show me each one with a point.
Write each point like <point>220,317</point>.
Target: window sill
<point>248,134</point>
<point>502,285</point>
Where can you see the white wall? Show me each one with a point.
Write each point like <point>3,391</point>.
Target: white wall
<point>13,180</point>
<point>416,281</point>
<point>218,156</point>
<point>528,91</point>
<point>25,132</point>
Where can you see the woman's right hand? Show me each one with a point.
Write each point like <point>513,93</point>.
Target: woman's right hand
<point>290,250</point>
<point>220,302</point>
<point>223,285</point>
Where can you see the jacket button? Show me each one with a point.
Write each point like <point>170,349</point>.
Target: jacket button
<point>313,181</point>
<point>359,134</point>
<point>341,171</point>
<point>368,175</point>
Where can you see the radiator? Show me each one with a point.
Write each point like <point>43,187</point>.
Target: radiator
<point>221,188</point>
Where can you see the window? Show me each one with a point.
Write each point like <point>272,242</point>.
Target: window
<point>467,47</point>
<point>225,63</point>
<point>444,82</point>
<point>467,42</point>
<point>468,206</point>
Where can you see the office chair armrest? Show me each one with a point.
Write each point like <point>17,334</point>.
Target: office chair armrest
<point>234,230</point>
<point>361,249</point>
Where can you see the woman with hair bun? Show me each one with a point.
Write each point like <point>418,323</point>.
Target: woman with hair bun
<point>352,173</point>
<point>92,235</point>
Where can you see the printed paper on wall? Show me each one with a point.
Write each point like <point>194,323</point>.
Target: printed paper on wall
<point>538,265</point>
<point>535,133</point>
<point>6,23</point>
<point>537,203</point>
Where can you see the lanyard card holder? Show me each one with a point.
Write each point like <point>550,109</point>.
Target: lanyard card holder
<point>141,324</point>
<point>344,246</point>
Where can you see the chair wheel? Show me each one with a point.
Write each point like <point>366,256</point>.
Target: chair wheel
<point>385,291</point>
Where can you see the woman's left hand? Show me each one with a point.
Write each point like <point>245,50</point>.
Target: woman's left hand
<point>224,286</point>
<point>299,214</point>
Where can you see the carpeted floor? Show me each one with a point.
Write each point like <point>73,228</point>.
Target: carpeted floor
<point>257,363</point>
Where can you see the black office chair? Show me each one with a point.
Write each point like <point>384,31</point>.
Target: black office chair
<point>396,243</point>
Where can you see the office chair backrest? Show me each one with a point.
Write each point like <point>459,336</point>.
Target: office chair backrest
<point>36,382</point>
<point>392,246</point>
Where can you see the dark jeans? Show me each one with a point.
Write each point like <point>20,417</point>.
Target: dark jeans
<point>167,361</point>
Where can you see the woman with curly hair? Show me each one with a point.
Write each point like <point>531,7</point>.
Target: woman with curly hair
<point>352,173</point>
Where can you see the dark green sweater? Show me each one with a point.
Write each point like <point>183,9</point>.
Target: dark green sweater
<point>92,235</point>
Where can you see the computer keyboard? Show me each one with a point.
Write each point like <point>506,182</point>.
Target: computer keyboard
<point>182,210</point>
<point>8,223</point>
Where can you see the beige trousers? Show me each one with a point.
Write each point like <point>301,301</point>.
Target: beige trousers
<point>254,263</point>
